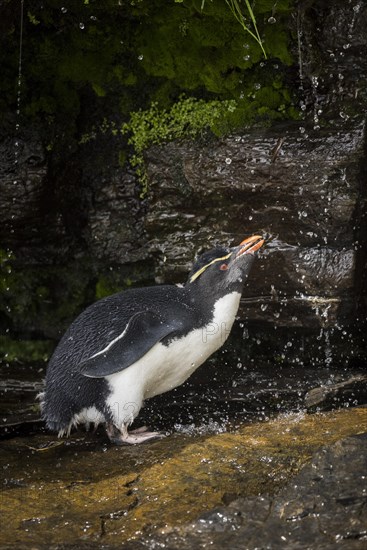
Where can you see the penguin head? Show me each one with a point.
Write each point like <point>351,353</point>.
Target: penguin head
<point>225,269</point>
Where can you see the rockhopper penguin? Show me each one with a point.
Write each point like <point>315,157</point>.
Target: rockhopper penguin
<point>143,342</point>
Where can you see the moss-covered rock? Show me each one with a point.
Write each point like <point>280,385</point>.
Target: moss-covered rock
<point>25,351</point>
<point>162,69</point>
<point>110,58</point>
<point>42,299</point>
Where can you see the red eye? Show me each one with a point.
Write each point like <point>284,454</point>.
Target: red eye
<point>223,267</point>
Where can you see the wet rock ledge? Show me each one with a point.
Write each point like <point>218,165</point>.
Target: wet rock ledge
<point>322,507</point>
<point>267,485</point>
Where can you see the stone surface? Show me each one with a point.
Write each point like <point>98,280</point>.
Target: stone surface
<point>58,493</point>
<point>26,197</point>
<point>306,200</point>
<point>331,37</point>
<point>309,200</point>
<point>79,224</point>
<point>329,395</point>
<point>78,229</point>
<point>324,507</point>
<point>225,390</point>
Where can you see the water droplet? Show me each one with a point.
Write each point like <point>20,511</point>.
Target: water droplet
<point>272,20</point>
<point>64,10</point>
<point>228,160</point>
<point>140,57</point>
<point>302,214</point>
<point>81,26</point>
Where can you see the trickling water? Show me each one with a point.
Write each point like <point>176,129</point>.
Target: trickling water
<point>9,253</point>
<point>316,108</point>
<point>356,10</point>
<point>324,338</point>
<point>19,87</point>
<point>299,47</point>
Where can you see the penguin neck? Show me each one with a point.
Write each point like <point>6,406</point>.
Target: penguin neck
<point>205,297</point>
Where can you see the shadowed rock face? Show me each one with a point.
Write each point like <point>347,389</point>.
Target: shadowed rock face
<point>332,36</point>
<point>303,184</point>
<point>22,189</point>
<point>301,188</point>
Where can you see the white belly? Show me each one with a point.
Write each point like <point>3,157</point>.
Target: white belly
<point>166,367</point>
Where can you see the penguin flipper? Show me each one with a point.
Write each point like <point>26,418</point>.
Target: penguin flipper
<point>143,330</point>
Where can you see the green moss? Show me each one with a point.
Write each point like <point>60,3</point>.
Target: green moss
<point>118,280</point>
<point>25,350</point>
<point>191,117</point>
<point>96,58</point>
<point>186,118</point>
<point>44,298</point>
<point>169,70</point>
<point>107,285</point>
<point>198,48</point>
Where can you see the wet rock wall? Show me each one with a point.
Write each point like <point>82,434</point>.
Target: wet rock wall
<point>75,229</point>
<point>299,186</point>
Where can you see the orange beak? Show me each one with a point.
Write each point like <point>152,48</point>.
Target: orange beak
<point>250,245</point>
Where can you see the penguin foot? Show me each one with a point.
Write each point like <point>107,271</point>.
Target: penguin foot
<point>139,430</point>
<point>135,437</point>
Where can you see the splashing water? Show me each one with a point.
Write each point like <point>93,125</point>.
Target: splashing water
<point>316,108</point>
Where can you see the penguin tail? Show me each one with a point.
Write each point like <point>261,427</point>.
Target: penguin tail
<point>53,424</point>
<point>41,398</point>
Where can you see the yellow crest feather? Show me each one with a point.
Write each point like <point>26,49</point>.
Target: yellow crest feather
<point>202,269</point>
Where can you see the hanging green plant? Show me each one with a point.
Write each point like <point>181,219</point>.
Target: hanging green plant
<point>235,8</point>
